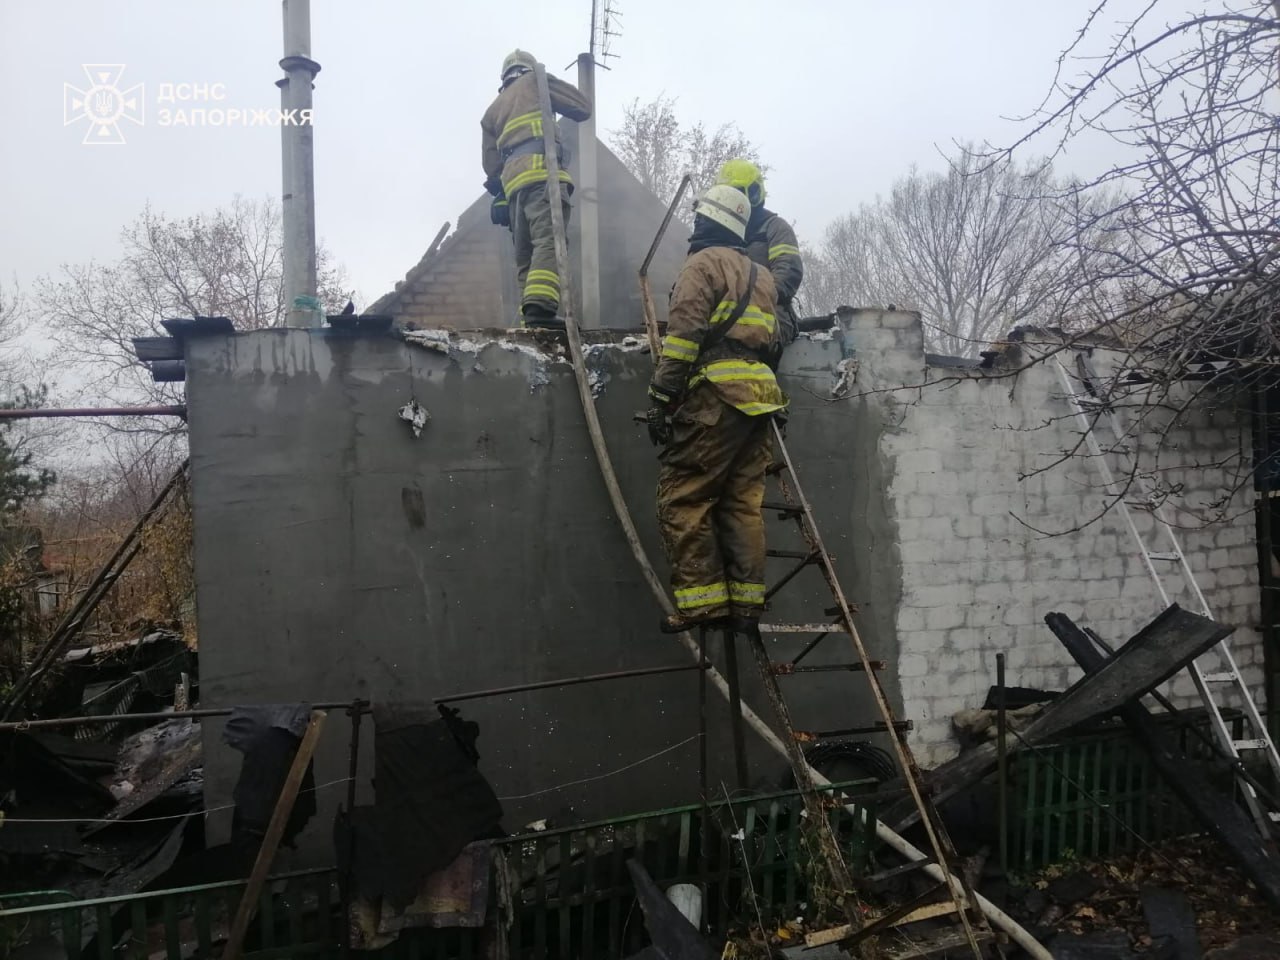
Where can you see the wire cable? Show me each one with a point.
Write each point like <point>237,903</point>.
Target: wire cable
<point>604,776</point>
<point>172,816</point>
<point>229,806</point>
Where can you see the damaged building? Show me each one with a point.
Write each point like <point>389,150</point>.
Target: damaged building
<point>388,566</point>
<point>466,281</point>
<point>372,509</point>
<point>400,517</point>
<point>433,711</point>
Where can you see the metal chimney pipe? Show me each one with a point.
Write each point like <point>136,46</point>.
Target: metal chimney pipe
<point>298,153</point>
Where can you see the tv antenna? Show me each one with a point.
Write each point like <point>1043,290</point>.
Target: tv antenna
<point>605,26</point>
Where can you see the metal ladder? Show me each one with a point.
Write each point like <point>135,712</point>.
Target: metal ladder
<point>792,505</point>
<point>1223,675</point>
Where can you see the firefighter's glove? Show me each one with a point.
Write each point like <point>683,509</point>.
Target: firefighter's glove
<point>659,423</point>
<point>500,212</point>
<point>493,186</point>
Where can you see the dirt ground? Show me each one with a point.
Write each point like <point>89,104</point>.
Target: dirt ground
<point>1097,896</point>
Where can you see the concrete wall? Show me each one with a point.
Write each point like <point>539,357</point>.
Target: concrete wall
<point>337,556</point>
<point>973,494</point>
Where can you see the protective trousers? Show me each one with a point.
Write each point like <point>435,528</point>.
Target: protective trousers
<point>536,246</point>
<point>710,488</point>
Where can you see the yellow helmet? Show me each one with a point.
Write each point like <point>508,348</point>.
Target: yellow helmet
<point>725,205</point>
<point>745,176</point>
<point>517,62</point>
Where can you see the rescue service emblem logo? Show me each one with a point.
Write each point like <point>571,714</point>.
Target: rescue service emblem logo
<point>103,104</point>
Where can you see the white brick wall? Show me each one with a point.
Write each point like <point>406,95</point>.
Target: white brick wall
<point>978,576</point>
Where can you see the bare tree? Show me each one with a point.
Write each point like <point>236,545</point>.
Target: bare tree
<point>659,150</point>
<point>10,314</point>
<point>23,444</point>
<point>227,263</point>
<point>88,514</point>
<point>1190,102</point>
<point>978,250</point>
<point>1199,182</point>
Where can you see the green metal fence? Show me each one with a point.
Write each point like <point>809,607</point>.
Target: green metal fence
<point>1088,796</point>
<point>571,893</point>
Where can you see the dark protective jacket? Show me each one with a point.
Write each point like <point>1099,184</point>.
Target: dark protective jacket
<point>705,294</point>
<point>515,119</point>
<point>772,243</point>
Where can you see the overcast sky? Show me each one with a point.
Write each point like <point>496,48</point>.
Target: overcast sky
<point>841,96</point>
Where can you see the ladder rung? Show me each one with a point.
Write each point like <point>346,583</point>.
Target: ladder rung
<point>1258,744</point>
<point>787,669</point>
<point>785,508</point>
<point>793,554</point>
<point>802,628</point>
<point>776,467</point>
<point>1229,676</point>
<point>1163,556</point>
<point>809,736</point>
<point>898,871</point>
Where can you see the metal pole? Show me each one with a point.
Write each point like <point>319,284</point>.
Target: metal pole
<point>704,815</point>
<point>355,711</point>
<point>646,295</point>
<point>588,192</point>
<point>1003,782</point>
<point>298,195</point>
<point>568,682</point>
<point>472,695</point>
<point>735,709</point>
<point>1267,582</point>
<point>41,413</point>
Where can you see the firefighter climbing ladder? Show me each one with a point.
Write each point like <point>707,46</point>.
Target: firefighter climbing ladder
<point>1221,677</point>
<point>965,904</point>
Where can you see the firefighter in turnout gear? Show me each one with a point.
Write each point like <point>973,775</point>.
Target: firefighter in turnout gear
<point>712,397</point>
<point>516,168</point>
<point>770,241</point>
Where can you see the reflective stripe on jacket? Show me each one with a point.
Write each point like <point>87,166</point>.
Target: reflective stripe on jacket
<point>514,118</point>
<point>772,243</point>
<point>705,295</point>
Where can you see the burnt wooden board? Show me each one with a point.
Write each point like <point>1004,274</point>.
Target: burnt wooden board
<point>1158,651</point>
<point>1217,811</point>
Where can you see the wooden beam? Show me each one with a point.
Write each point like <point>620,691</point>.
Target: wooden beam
<point>1158,651</point>
<point>1218,812</point>
<point>271,839</point>
<point>927,912</point>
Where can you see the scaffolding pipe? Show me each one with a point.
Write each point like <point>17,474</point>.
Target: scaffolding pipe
<point>40,413</point>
